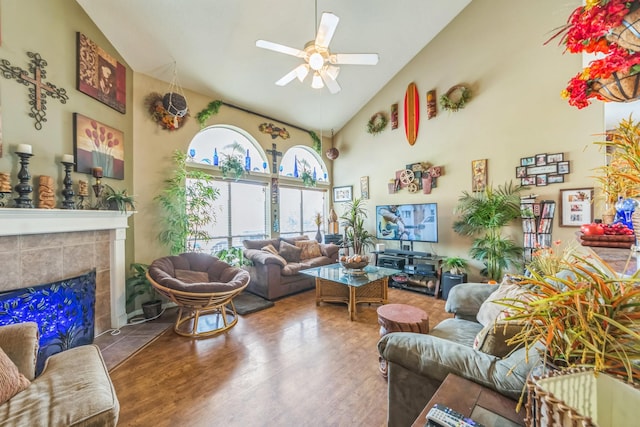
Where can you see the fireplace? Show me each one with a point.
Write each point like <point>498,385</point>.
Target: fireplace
<point>39,246</point>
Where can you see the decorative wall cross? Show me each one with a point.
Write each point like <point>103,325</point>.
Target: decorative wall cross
<point>274,154</point>
<point>38,93</point>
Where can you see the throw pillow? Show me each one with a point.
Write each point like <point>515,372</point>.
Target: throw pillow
<point>189,276</point>
<point>490,311</point>
<point>273,251</point>
<point>289,252</point>
<point>492,339</point>
<point>310,249</point>
<point>12,381</point>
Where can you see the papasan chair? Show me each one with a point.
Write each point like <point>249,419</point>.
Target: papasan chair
<point>203,288</point>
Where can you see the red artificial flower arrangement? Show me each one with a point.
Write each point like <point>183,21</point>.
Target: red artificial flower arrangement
<point>587,30</point>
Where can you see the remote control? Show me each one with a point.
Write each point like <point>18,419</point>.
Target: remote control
<point>443,416</point>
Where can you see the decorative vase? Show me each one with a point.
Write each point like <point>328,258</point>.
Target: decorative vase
<point>627,34</point>
<point>319,236</point>
<point>619,87</point>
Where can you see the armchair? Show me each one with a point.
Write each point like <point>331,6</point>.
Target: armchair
<point>418,363</point>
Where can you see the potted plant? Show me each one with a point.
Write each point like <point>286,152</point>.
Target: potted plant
<point>117,200</point>
<point>455,265</point>
<point>231,164</point>
<point>137,285</point>
<point>317,220</point>
<point>188,209</point>
<point>455,274</point>
<point>486,213</point>
<point>307,176</point>
<point>355,234</point>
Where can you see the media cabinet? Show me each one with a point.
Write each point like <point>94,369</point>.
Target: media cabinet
<point>420,268</point>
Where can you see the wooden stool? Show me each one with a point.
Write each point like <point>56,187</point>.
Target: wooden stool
<point>400,318</point>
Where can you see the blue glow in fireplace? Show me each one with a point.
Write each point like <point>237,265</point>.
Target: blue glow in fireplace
<point>64,312</point>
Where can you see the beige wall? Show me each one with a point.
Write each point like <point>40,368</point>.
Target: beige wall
<point>49,28</point>
<point>153,148</point>
<point>495,46</point>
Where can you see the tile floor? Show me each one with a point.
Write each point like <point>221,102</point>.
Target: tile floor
<point>132,337</point>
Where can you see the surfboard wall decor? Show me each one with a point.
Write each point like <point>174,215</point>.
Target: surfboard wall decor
<point>411,113</point>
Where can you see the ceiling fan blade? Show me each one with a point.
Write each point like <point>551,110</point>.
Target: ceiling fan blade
<point>301,72</point>
<point>330,82</point>
<point>287,78</point>
<point>326,29</point>
<point>280,48</point>
<point>354,58</point>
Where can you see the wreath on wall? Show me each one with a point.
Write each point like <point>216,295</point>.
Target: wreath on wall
<point>154,104</point>
<point>456,98</point>
<point>377,123</point>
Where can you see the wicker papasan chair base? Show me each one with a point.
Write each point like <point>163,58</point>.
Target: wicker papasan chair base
<point>200,314</point>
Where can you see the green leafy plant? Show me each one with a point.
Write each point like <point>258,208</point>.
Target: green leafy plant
<point>137,284</point>
<point>589,318</point>
<point>232,165</point>
<point>486,213</point>
<point>233,256</point>
<point>356,235</point>
<point>210,110</point>
<point>455,265</point>
<point>317,143</point>
<point>187,202</point>
<point>307,177</point>
<point>117,199</point>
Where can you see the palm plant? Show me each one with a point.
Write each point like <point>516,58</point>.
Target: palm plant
<point>356,235</point>
<point>187,203</point>
<point>488,212</point>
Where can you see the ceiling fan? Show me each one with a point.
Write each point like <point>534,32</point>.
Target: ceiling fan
<point>318,58</point>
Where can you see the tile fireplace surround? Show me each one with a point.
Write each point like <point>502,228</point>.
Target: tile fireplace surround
<point>40,246</point>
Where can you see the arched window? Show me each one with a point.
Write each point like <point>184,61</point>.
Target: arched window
<point>298,158</point>
<point>212,144</point>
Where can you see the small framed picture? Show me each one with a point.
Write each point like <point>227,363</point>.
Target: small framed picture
<point>521,171</point>
<point>541,159</point>
<point>527,161</point>
<point>364,187</point>
<point>541,180</point>
<point>343,194</point>
<point>576,207</point>
<point>528,180</point>
<point>563,168</point>
<point>555,158</point>
<point>555,179</point>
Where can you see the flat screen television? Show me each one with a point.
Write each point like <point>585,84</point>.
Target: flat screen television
<point>410,222</point>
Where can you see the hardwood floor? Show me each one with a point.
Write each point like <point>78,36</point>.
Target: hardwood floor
<point>294,364</point>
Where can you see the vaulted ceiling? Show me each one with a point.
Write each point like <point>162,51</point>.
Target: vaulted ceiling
<point>211,46</point>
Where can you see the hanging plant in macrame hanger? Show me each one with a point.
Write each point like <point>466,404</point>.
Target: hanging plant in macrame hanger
<point>174,101</point>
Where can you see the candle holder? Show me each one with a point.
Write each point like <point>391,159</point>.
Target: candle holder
<point>24,188</point>
<point>97,190</point>
<point>68,193</point>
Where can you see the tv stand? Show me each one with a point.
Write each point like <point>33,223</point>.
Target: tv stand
<point>420,267</point>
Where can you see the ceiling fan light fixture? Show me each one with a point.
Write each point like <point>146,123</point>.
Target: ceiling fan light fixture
<point>316,61</point>
<point>301,72</point>
<point>316,83</point>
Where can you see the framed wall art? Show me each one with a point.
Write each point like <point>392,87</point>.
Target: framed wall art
<point>542,169</point>
<point>100,76</point>
<point>98,145</point>
<point>394,116</point>
<point>479,174</point>
<point>364,187</point>
<point>576,206</point>
<point>343,194</point>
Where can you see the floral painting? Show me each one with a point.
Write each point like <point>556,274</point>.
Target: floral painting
<point>98,145</point>
<point>100,75</point>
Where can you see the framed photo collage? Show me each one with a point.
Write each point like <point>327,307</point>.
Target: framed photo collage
<point>542,169</point>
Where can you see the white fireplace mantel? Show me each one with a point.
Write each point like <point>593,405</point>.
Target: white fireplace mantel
<point>23,221</point>
<point>18,221</point>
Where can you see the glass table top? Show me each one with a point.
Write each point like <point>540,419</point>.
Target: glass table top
<point>339,274</point>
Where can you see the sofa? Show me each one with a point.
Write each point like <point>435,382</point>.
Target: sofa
<point>419,363</point>
<point>275,272</point>
<point>74,389</point>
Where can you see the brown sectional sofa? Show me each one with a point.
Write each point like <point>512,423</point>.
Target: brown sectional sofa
<point>273,277</point>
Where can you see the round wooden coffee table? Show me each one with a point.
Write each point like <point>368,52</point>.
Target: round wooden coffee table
<point>400,318</point>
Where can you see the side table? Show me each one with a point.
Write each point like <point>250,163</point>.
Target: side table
<point>481,404</point>
<point>400,318</point>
